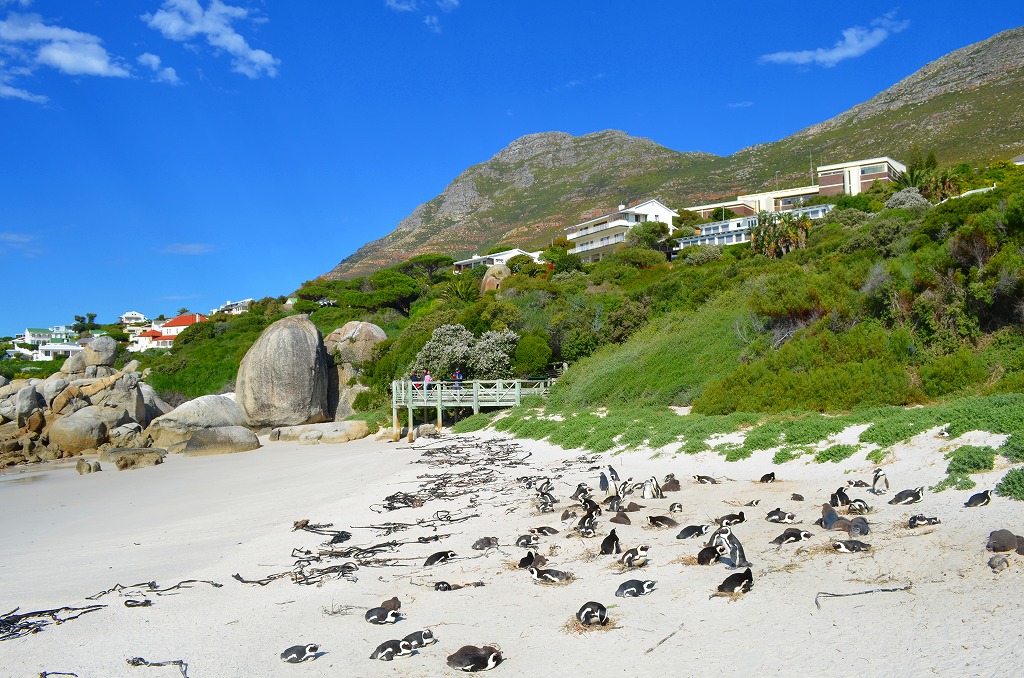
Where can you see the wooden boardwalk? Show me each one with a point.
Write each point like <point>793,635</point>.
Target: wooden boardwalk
<point>474,394</point>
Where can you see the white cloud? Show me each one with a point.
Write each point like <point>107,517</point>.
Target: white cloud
<point>165,74</point>
<point>182,20</point>
<point>23,3</point>
<point>856,42</point>
<point>69,51</point>
<point>10,92</point>
<point>401,5</point>
<point>432,23</point>
<point>448,5</point>
<point>187,248</point>
<point>19,242</point>
<point>740,104</point>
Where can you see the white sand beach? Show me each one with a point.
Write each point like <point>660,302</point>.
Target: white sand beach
<point>67,537</point>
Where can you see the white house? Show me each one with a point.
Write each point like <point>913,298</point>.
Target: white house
<point>235,307</point>
<point>37,335</point>
<point>50,351</point>
<point>600,236</point>
<point>737,230</point>
<point>132,318</point>
<point>491,259</point>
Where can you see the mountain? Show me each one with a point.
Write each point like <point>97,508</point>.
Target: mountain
<point>967,106</point>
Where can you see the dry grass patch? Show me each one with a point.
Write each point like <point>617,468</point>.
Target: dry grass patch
<point>574,627</point>
<point>731,597</point>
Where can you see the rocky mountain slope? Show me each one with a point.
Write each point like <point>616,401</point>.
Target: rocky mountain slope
<point>967,106</point>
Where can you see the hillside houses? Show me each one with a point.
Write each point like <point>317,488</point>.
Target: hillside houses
<point>600,236</point>
<point>161,334</point>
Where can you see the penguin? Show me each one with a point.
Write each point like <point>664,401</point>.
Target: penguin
<point>390,649</point>
<point>840,498</point>
<point>850,546</point>
<point>568,515</point>
<point>857,483</point>
<point>632,507</point>
<point>661,521</point>
<point>670,484</point>
<point>879,482</point>
<point>858,527</point>
<point>753,502</point>
<point>587,532</point>
<point>908,496</point>
<point>652,489</point>
<point>587,522</point>
<point>615,503</point>
<point>555,576</point>
<point>691,531</point>
<point>624,487</point>
<point>603,482</point>
<point>441,586</point>
<point>724,536</point>
<point>582,490</point>
<point>741,582</point>
<point>620,519</point>
<point>921,519</point>
<point>731,519</point>
<point>471,659</point>
<point>527,540</point>
<point>392,604</point>
<point>858,507</point>
<point>420,639</point>
<point>829,517</point>
<point>675,507</point>
<point>980,499</point>
<point>711,554</point>
<point>543,530</point>
<point>780,516</point>
<point>796,497</point>
<point>484,543</point>
<point>439,557</point>
<point>612,474</point>
<point>705,480</point>
<point>632,588</point>
<point>791,536</point>
<point>378,615</point>
<point>531,559</point>
<point>635,557</point>
<point>591,506</point>
<point>768,477</point>
<point>300,653</point>
<point>592,613</point>
<point>610,544</point>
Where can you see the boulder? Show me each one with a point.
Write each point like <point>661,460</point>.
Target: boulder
<point>3,380</point>
<point>100,351</point>
<point>341,395</point>
<point>132,366</point>
<point>353,342</point>
<point>134,457</point>
<point>79,431</point>
<point>26,402</point>
<point>283,378</point>
<point>36,422</point>
<point>125,393</point>
<point>310,438</point>
<point>126,435</point>
<point>331,432</point>
<point>210,411</point>
<point>53,387</point>
<point>492,279</point>
<point>74,364</point>
<point>7,411</point>
<point>155,407</point>
<point>221,440</point>
<point>83,467</point>
<point>12,388</point>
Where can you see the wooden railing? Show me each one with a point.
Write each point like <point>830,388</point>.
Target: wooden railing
<point>476,393</point>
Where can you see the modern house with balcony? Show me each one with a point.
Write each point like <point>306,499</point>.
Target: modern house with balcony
<point>598,237</point>
<point>737,230</point>
<point>492,259</point>
<point>852,178</point>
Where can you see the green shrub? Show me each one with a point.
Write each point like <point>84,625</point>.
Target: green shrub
<point>1013,447</point>
<point>787,454</point>
<point>532,356</point>
<point>879,455</point>
<point>970,459</point>
<point>476,422</point>
<point>957,482</point>
<point>1012,484</point>
<point>835,453</point>
<point>952,373</point>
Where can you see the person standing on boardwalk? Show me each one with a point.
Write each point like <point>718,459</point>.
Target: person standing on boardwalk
<point>457,378</point>
<point>415,379</point>
<point>427,379</point>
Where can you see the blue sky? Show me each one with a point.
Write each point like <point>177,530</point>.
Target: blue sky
<point>160,154</point>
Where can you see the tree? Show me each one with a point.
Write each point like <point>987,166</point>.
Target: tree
<point>183,310</point>
<point>647,234</point>
<point>463,288</point>
<point>687,221</point>
<point>426,266</point>
<point>394,290</point>
<point>778,233</point>
<point>532,355</point>
<point>451,346</point>
<point>562,260</point>
<point>722,214</point>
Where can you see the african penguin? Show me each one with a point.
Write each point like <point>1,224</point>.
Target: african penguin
<point>442,586</point>
<point>840,498</point>
<point>796,497</point>
<point>661,521</point>
<point>922,519</point>
<point>731,519</point>
<point>420,639</point>
<point>879,482</point>
<point>741,582</point>
<point>791,536</point>
<point>675,507</point>
<point>705,480</point>
<point>439,557</point>
<point>543,530</point>
<point>592,613</point>
<point>471,659</point>
<point>531,559</point>
<point>390,649</point>
<point>857,483</point>
<point>549,575</point>
<point>300,653</point>
<point>610,544</point>
<point>632,588</point>
<point>908,496</point>
<point>724,536</point>
<point>670,484</point>
<point>620,518</point>
<point>378,615</point>
<point>612,474</point>
<point>768,477</point>
<point>691,531</point>
<point>711,554</point>
<point>780,516</point>
<point>527,540</point>
<point>980,499</point>
<point>858,506</point>
<point>603,482</point>
<point>850,546</point>
<point>635,557</point>
<point>484,543</point>
<point>392,604</point>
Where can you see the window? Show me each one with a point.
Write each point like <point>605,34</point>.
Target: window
<point>872,169</point>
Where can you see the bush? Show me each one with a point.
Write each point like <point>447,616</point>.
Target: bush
<point>532,356</point>
<point>1012,485</point>
<point>476,422</point>
<point>952,373</point>
<point>835,453</point>
<point>907,198</point>
<point>970,459</point>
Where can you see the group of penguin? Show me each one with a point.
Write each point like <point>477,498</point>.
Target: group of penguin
<point>723,546</point>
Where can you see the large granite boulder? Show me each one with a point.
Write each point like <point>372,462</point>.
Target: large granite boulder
<point>134,457</point>
<point>26,402</point>
<point>74,364</point>
<point>342,391</point>
<point>53,387</point>
<point>100,351</point>
<point>209,411</point>
<point>125,393</point>
<point>80,430</point>
<point>354,342</point>
<point>494,276</point>
<point>283,378</point>
<point>332,432</point>
<point>221,440</point>
<point>155,406</point>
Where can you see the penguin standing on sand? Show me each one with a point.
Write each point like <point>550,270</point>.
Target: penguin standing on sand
<point>879,482</point>
<point>840,498</point>
<point>300,653</point>
<point>724,536</point>
<point>612,474</point>
<point>610,545</point>
<point>603,482</point>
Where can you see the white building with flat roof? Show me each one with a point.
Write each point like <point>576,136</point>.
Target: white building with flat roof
<point>600,236</point>
<point>492,259</point>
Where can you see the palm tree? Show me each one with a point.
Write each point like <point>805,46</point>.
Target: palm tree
<point>914,177</point>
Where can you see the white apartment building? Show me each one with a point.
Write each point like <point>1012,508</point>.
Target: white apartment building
<point>600,236</point>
